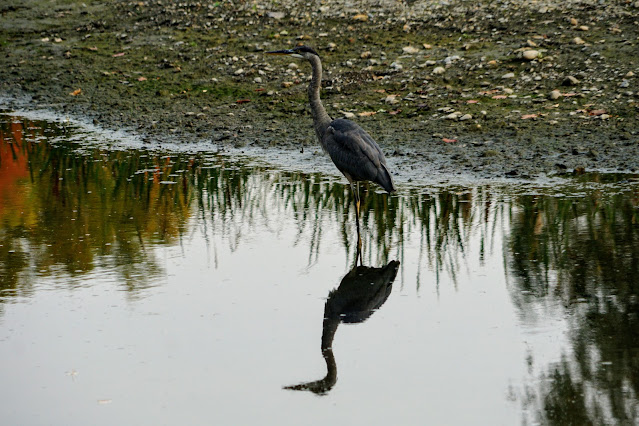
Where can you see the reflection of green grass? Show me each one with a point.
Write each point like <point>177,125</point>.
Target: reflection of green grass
<point>111,201</point>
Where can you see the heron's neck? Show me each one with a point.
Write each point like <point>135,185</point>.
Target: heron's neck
<point>329,327</point>
<point>321,120</point>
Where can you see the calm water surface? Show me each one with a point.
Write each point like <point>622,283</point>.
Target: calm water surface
<point>146,287</point>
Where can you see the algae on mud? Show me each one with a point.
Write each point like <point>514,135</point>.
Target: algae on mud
<point>195,70</point>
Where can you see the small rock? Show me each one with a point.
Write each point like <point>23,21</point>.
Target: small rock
<point>450,59</point>
<point>570,81</point>
<point>578,40</point>
<point>396,66</point>
<point>348,114</point>
<point>239,71</point>
<point>276,15</point>
<point>508,91</point>
<point>465,117</point>
<point>604,116</point>
<point>630,74</point>
<point>583,28</point>
<point>366,55</point>
<point>624,83</point>
<point>531,43</point>
<point>410,50</point>
<point>453,116</point>
<point>286,84</point>
<point>529,55</point>
<point>439,70</point>
<point>555,94</point>
<point>508,75</point>
<point>427,46</point>
<point>257,80</point>
<point>391,99</point>
<point>293,66</point>
<point>573,22</point>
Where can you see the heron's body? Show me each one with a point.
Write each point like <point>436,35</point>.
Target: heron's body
<point>356,154</point>
<point>352,149</point>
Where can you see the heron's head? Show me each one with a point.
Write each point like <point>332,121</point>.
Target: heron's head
<point>301,52</point>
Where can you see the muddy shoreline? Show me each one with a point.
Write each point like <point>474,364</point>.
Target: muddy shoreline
<point>444,88</point>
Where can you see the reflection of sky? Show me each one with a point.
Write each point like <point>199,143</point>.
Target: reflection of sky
<point>235,313</point>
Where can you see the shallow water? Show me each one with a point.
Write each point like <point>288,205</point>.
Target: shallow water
<point>144,286</point>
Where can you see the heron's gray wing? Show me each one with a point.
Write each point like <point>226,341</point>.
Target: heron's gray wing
<point>356,154</point>
<point>353,150</point>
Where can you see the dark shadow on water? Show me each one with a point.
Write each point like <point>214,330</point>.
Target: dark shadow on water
<point>360,293</point>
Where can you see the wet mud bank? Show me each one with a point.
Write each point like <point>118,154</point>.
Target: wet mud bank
<point>485,89</point>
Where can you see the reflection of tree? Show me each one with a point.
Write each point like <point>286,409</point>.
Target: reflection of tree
<point>584,252</point>
<point>72,213</point>
<point>72,209</point>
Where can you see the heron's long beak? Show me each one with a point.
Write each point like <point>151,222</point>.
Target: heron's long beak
<point>280,52</point>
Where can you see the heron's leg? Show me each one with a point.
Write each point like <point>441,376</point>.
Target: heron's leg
<point>358,254</point>
<point>355,189</point>
<point>357,206</point>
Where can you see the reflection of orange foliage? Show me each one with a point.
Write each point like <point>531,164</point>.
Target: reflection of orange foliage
<point>14,174</point>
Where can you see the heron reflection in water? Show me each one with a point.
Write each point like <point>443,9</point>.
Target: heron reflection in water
<point>360,293</point>
<point>352,149</point>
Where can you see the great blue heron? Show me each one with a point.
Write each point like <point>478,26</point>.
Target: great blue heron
<point>362,292</point>
<point>352,149</point>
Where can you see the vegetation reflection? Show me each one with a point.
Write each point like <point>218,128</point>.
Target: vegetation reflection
<point>584,253</point>
<point>67,210</point>
<point>67,213</point>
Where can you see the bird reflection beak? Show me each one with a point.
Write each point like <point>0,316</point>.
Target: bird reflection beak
<point>280,52</point>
